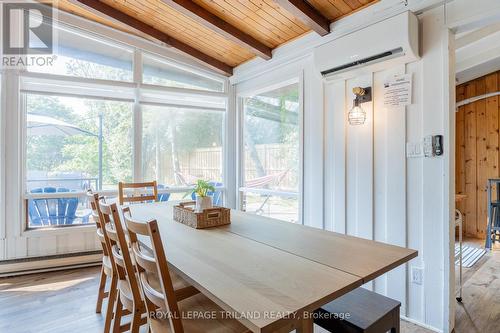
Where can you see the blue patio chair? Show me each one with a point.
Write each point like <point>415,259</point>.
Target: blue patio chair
<point>162,197</point>
<point>53,211</point>
<point>217,195</point>
<point>67,207</point>
<point>46,208</point>
<point>34,214</point>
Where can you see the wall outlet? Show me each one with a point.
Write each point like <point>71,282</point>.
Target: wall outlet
<point>417,275</point>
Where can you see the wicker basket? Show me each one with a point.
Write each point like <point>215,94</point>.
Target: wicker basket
<point>212,217</point>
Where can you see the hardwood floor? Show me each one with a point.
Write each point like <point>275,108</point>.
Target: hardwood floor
<point>64,301</point>
<point>480,308</point>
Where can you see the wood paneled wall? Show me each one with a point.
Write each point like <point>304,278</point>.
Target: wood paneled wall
<point>477,149</point>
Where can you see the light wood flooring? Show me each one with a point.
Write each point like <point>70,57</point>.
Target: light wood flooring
<point>479,311</point>
<point>64,301</point>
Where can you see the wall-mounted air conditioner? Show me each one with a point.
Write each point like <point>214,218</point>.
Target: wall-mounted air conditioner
<point>394,39</point>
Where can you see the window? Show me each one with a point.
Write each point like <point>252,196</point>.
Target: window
<point>271,154</point>
<point>81,131</point>
<point>81,55</point>
<point>164,74</point>
<point>73,144</point>
<point>180,146</point>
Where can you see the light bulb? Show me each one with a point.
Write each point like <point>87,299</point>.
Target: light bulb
<point>357,116</point>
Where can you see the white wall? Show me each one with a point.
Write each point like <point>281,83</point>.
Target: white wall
<point>388,197</point>
<point>370,188</point>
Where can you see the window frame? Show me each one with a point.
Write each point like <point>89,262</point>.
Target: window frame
<point>58,25</point>
<point>40,83</point>
<point>170,62</point>
<point>252,90</point>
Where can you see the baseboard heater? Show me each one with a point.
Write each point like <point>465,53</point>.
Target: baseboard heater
<point>32,265</point>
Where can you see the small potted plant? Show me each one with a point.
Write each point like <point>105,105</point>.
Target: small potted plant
<point>203,199</point>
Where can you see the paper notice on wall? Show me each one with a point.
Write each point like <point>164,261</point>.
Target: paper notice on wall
<point>397,91</point>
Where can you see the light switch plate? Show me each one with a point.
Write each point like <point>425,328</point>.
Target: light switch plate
<point>414,149</point>
<point>428,151</point>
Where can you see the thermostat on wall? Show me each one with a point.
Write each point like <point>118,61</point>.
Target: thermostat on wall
<point>433,145</point>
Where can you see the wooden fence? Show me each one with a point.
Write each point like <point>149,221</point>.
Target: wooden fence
<point>206,163</point>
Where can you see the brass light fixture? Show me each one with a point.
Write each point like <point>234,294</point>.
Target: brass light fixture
<point>357,116</point>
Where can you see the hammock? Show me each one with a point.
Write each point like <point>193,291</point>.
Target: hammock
<point>260,182</point>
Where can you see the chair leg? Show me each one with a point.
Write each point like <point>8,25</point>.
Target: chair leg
<point>305,326</point>
<point>492,223</point>
<point>117,314</point>
<point>101,294</point>
<point>489,227</point>
<point>136,321</point>
<point>113,291</point>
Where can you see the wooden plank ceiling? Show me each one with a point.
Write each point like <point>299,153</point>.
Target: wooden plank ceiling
<point>219,33</point>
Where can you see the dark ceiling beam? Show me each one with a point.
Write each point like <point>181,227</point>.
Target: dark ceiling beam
<point>157,34</point>
<point>306,13</point>
<point>221,27</point>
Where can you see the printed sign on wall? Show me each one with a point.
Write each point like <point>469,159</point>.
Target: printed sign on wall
<point>397,91</point>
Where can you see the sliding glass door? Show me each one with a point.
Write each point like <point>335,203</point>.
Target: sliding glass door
<point>270,155</point>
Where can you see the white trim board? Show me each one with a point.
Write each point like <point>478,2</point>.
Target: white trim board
<point>48,264</point>
<point>475,99</point>
<point>416,322</point>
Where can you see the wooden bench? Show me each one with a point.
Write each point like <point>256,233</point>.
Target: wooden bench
<point>360,310</point>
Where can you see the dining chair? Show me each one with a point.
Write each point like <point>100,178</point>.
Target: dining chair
<point>129,300</point>
<point>134,227</point>
<point>168,309</point>
<point>108,267</point>
<point>137,187</point>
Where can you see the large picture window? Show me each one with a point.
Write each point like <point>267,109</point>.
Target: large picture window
<point>100,125</point>
<point>74,144</point>
<point>271,153</point>
<point>180,145</point>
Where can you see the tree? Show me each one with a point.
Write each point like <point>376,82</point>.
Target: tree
<point>272,118</point>
<point>44,153</point>
<point>170,131</point>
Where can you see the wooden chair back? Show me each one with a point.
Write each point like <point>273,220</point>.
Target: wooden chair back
<point>121,254</point>
<point>153,264</point>
<point>138,187</point>
<point>93,199</point>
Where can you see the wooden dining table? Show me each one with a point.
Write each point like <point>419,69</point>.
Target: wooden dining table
<point>268,274</point>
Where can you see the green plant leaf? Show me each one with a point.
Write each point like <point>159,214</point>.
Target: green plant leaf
<point>203,187</point>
